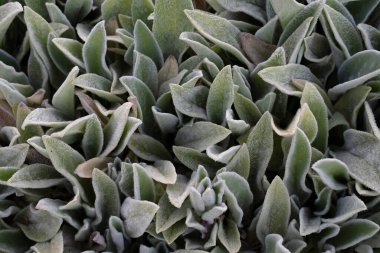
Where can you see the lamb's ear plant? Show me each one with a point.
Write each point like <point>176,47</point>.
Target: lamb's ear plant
<point>186,126</point>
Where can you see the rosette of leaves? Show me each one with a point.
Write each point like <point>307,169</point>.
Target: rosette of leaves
<point>208,213</point>
<point>189,126</point>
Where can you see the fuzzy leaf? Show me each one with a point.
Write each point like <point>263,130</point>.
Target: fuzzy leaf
<point>148,148</point>
<point>94,52</point>
<point>197,136</point>
<point>137,215</point>
<point>229,236</point>
<point>169,22</point>
<point>333,173</point>
<point>275,214</point>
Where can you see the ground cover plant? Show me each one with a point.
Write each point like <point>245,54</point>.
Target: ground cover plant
<point>190,126</point>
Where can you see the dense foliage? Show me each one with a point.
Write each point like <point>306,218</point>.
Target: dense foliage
<point>190,126</point>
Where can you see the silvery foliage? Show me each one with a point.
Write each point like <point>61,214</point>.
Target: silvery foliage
<point>190,126</point>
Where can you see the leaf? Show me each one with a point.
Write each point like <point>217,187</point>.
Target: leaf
<point>294,43</point>
<point>107,202</point>
<point>221,96</point>
<point>175,231</point>
<point>94,51</point>
<point>148,148</point>
<point>145,69</point>
<point>85,169</point>
<point>370,35</point>
<point>281,77</point>
<point>353,72</point>
<point>190,101</point>
<point>239,188</point>
<point>146,43</point>
<point>246,109</point>
<point>55,245</point>
<point>35,176</point>
<point>345,34</point>
<point>361,12</point>
<point>145,101</point>
<point>141,11</point>
<point>162,171</point>
<point>13,240</point>
<point>13,156</point>
<point>313,98</point>
<point>8,12</point>
<point>137,215</point>
<point>72,49</point>
<point>229,236</point>
<point>198,135</point>
<point>167,214</point>
<point>240,162</point>
<point>143,185</point>
<point>346,208</point>
<point>114,129</point>
<point>274,244</point>
<point>286,10</point>
<point>191,158</point>
<point>41,225</point>
<point>256,50</point>
<point>333,173</point>
<point>260,148</point>
<point>360,153</point>
<point>169,22</point>
<point>275,213</point>
<point>309,224</point>
<point>76,11</point>
<point>111,8</point>
<point>201,47</point>
<point>63,98</point>
<point>48,117</point>
<point>353,232</point>
<point>65,160</point>
<point>219,31</point>
<point>251,9</point>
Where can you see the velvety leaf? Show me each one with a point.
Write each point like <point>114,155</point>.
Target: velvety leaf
<point>370,35</point>
<point>169,22</point>
<point>65,160</point>
<point>346,207</point>
<point>145,101</point>
<point>94,52</point>
<point>221,95</point>
<point>191,158</point>
<point>137,215</point>
<point>146,44</point>
<point>111,8</point>
<point>76,11</point>
<point>14,240</point>
<point>353,72</point>
<point>276,202</point>
<point>251,9</point>
<point>333,173</point>
<point>107,202</point>
<point>197,136</point>
<point>281,77</point>
<point>353,232</point>
<point>143,185</point>
<point>35,176</point>
<point>190,101</point>
<point>8,12</point>
<point>229,236</point>
<point>273,244</point>
<point>201,47</point>
<point>162,171</point>
<point>361,12</point>
<point>309,224</point>
<point>313,98</point>
<point>256,50</point>
<point>360,153</point>
<point>148,148</point>
<point>63,98</point>
<point>72,50</point>
<point>260,147</point>
<point>55,245</point>
<point>297,166</point>
<point>246,109</point>
<point>218,30</point>
<point>167,214</point>
<point>13,156</point>
<point>286,10</point>
<point>85,169</point>
<point>48,117</point>
<point>240,162</point>
<point>40,226</point>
